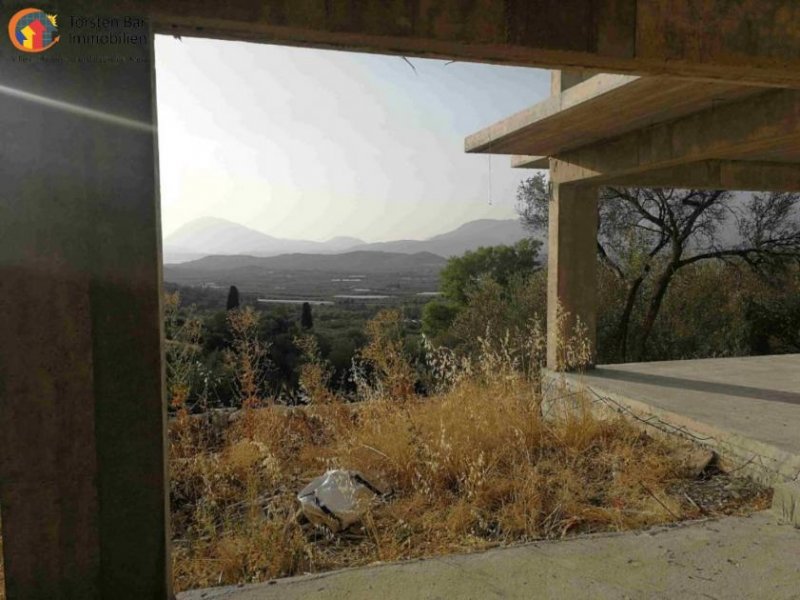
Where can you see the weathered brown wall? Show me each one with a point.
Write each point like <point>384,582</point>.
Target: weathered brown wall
<point>82,458</point>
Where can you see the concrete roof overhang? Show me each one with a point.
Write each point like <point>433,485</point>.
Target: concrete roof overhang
<point>602,107</point>
<point>656,130</point>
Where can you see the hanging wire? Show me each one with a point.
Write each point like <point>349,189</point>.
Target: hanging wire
<point>490,179</point>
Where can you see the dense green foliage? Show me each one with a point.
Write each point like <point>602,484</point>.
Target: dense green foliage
<point>488,277</point>
<point>728,309</point>
<point>199,338</point>
<point>499,263</point>
<point>711,309</point>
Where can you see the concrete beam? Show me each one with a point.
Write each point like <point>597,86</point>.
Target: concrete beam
<point>720,175</point>
<point>563,79</point>
<point>763,128</point>
<point>530,162</point>
<point>602,107</point>
<point>572,269</point>
<point>511,135</point>
<point>707,174</point>
<point>83,483</point>
<point>755,41</point>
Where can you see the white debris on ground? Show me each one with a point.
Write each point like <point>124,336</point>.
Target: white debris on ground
<point>337,499</point>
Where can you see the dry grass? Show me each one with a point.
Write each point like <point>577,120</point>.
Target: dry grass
<point>472,467</point>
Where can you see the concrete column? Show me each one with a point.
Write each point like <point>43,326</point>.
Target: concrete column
<point>83,484</point>
<point>572,267</point>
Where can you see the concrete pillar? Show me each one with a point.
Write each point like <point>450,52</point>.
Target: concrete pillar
<point>83,484</point>
<point>572,267</point>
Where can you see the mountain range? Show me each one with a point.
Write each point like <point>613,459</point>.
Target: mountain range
<point>212,236</point>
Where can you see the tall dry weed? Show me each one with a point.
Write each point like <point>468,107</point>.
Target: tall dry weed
<point>315,372</point>
<point>393,374</point>
<point>247,357</point>
<point>183,334</point>
<point>574,351</point>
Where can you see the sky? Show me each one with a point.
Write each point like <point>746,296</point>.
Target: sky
<point>313,144</point>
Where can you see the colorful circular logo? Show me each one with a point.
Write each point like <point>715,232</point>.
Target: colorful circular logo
<point>32,30</point>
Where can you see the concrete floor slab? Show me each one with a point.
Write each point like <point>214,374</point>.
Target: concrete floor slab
<point>737,557</point>
<point>748,409</point>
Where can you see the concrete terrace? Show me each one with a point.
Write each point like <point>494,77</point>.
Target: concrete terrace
<point>748,409</point>
<point>745,409</point>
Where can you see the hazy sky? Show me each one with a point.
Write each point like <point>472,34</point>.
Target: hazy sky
<point>313,144</point>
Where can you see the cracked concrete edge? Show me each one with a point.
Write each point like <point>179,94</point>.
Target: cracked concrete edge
<point>762,462</point>
<point>654,532</point>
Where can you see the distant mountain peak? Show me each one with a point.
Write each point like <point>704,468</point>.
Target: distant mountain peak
<point>468,236</point>
<point>345,238</point>
<point>215,236</point>
<point>205,223</point>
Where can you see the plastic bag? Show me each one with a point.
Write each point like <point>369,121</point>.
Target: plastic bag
<point>337,499</point>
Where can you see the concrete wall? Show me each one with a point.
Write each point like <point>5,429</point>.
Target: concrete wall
<point>82,455</point>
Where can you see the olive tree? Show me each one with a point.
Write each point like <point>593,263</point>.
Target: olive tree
<point>645,236</point>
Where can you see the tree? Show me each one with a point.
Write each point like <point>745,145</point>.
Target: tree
<point>500,263</point>
<point>502,319</point>
<point>233,298</point>
<point>646,236</point>
<point>438,317</point>
<point>506,268</point>
<point>306,320</point>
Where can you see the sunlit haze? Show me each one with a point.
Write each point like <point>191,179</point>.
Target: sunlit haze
<point>313,144</point>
